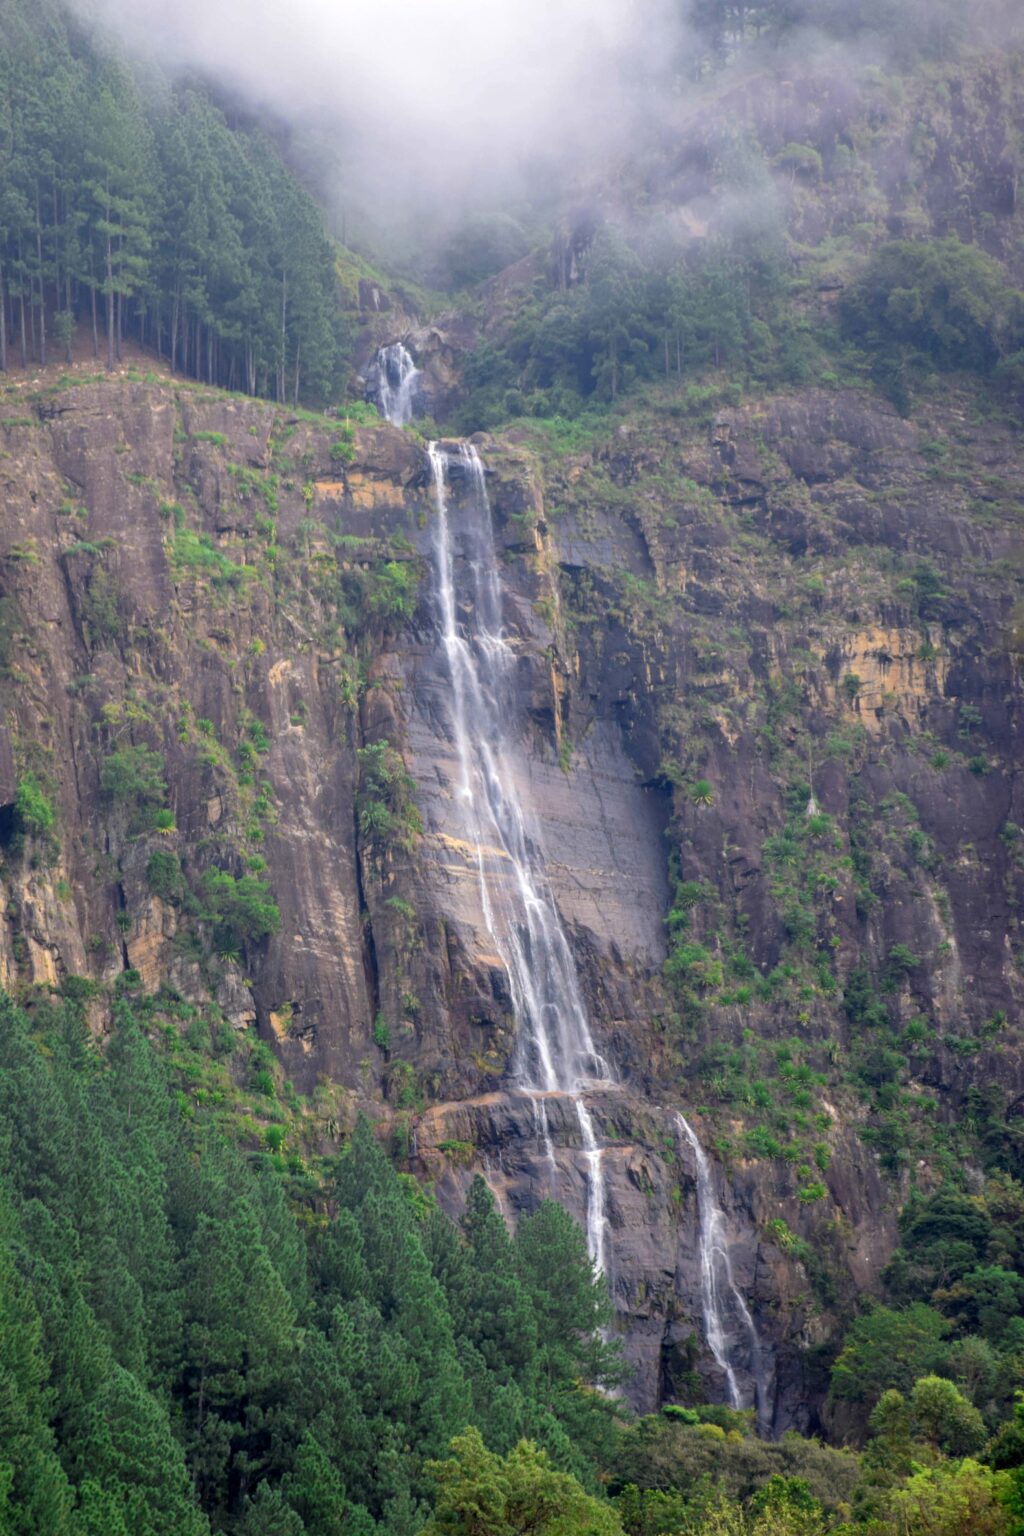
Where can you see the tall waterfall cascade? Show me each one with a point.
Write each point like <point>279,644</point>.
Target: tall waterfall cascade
<point>396,383</point>
<point>555,1052</point>
<point>727,1319</point>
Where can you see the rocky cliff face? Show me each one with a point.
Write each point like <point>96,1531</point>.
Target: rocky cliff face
<point>767,687</point>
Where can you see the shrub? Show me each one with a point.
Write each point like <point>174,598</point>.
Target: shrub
<point>800,160</point>
<point>33,808</point>
<point>701,793</point>
<point>133,773</point>
<point>691,965</point>
<point>192,551</point>
<point>391,590</point>
<point>242,910</point>
<point>343,449</point>
<point>387,815</point>
<point>901,961</point>
<point>163,875</point>
<point>947,301</point>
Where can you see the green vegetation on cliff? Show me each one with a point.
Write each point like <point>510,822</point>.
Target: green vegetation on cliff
<point>759,508</point>
<point>198,1337</point>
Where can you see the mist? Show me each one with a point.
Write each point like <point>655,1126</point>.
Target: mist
<point>423,110</point>
<point>408,116</point>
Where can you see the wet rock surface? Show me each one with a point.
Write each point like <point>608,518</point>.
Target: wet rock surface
<point>652,623</point>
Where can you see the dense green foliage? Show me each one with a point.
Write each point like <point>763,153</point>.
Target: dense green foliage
<point>933,302</point>
<point>193,1337</point>
<point>146,215</point>
<point>651,306</point>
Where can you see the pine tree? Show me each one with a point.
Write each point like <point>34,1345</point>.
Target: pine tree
<point>133,1457</point>
<point>34,1492</point>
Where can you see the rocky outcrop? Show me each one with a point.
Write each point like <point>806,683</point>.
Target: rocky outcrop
<point>766,678</point>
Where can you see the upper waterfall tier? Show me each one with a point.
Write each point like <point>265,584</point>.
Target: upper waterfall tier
<point>396,383</point>
<point>556,1051</point>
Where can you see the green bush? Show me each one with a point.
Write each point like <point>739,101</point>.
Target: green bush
<point>391,590</point>
<point>33,808</point>
<point>387,815</point>
<point>691,965</point>
<point>241,911</point>
<point>800,160</point>
<point>945,302</point>
<point>197,552</point>
<point>163,875</point>
<point>887,1349</point>
<point>133,774</point>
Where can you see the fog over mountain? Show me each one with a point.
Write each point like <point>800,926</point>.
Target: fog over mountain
<point>418,102</point>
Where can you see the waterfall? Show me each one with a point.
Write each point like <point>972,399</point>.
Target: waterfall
<point>721,1301</point>
<point>396,383</point>
<point>555,1052</point>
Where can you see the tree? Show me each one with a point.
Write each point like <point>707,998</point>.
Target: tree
<point>133,774</point>
<point>480,1494</point>
<point>944,1417</point>
<point>952,1499</point>
<point>34,1492</point>
<point>989,1298</point>
<point>241,910</point>
<point>268,1514</point>
<point>888,1349</point>
<point>491,1308</point>
<point>136,1462</point>
<point>614,311</point>
<point>946,301</point>
<point>570,1299</point>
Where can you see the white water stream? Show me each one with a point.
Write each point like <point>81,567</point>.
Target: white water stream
<point>726,1314</point>
<point>396,383</point>
<point>555,1052</point>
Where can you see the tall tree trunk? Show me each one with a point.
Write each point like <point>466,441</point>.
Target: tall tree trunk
<point>284,338</point>
<point>55,195</point>
<point>42,283</point>
<point>110,306</point>
<point>24,337</point>
<point>175,314</point>
<point>3,324</point>
<point>95,324</point>
<point>69,308</point>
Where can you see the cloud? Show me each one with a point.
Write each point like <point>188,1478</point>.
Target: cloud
<point>421,98</point>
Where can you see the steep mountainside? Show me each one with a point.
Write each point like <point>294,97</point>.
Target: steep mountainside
<point>767,708</point>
